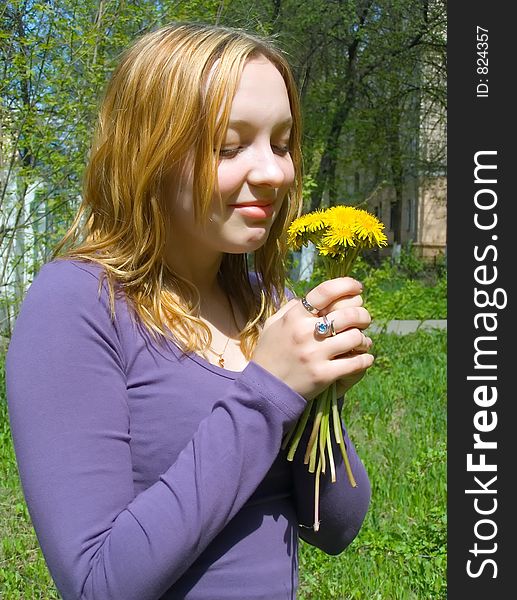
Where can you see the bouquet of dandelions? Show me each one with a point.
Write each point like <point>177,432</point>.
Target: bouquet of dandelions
<point>339,234</point>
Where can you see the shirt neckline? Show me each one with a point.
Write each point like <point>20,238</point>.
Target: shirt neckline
<point>209,366</point>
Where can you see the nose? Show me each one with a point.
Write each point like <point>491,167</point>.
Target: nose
<point>266,168</point>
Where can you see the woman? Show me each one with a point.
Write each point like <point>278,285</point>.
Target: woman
<point>150,377</point>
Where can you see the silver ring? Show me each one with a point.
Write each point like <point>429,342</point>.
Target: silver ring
<point>323,327</point>
<point>308,306</point>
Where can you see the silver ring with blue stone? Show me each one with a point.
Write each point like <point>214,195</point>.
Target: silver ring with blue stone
<point>323,327</point>
<point>308,306</point>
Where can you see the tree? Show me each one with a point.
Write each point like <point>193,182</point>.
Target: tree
<point>55,60</point>
<point>363,67</point>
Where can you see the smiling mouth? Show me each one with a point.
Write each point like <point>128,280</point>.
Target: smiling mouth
<point>253,203</point>
<point>254,210</point>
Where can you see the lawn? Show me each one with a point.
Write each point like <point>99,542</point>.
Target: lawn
<point>396,417</point>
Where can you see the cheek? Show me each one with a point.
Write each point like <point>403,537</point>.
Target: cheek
<point>228,178</point>
<point>290,173</point>
<point>288,181</point>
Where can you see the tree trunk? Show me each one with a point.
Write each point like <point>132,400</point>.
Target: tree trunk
<point>327,167</point>
<point>397,175</point>
<point>307,260</point>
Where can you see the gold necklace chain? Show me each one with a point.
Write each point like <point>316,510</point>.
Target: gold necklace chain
<point>220,355</point>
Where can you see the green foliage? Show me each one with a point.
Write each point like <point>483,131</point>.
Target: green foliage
<point>56,59</point>
<point>409,289</point>
<point>390,295</point>
<point>362,68</point>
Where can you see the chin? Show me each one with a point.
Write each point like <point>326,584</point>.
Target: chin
<point>252,243</point>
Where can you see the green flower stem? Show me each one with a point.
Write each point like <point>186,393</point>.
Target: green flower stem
<point>335,416</point>
<point>327,441</point>
<point>311,456</point>
<point>316,524</point>
<point>298,431</point>
<point>323,433</point>
<point>312,447</point>
<point>330,452</point>
<point>338,432</point>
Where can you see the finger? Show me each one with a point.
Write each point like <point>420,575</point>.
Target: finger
<point>342,303</point>
<point>355,316</point>
<point>368,343</point>
<point>343,343</point>
<point>343,366</point>
<point>361,348</point>
<point>327,292</point>
<point>282,311</point>
<point>357,350</point>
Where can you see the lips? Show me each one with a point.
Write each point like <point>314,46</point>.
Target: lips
<point>253,203</point>
<point>257,209</point>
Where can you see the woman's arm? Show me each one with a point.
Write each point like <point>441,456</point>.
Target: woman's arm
<point>71,427</point>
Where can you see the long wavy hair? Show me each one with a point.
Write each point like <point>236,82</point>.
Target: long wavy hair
<point>170,97</point>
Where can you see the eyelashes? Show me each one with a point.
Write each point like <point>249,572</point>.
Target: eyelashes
<point>282,150</point>
<point>229,152</point>
<point>232,152</point>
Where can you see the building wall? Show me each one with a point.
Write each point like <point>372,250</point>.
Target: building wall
<point>424,215</point>
<point>432,217</point>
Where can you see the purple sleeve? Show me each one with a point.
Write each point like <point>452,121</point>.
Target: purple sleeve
<point>70,422</point>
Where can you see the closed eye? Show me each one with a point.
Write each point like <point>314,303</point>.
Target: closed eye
<point>229,152</point>
<point>232,152</point>
<point>282,150</point>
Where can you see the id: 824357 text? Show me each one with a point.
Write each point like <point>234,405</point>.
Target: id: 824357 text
<point>481,62</point>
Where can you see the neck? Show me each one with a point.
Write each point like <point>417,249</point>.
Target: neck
<point>202,272</point>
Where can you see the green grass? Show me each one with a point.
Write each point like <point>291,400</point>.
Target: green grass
<point>396,417</point>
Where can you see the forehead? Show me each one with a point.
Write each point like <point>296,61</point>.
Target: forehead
<point>261,94</point>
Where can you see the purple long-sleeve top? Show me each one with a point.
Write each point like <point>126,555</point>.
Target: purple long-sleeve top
<point>153,474</point>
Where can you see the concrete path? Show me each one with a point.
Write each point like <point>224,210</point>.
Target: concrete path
<point>408,326</point>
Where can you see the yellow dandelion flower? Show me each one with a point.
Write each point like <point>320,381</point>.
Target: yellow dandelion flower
<point>339,214</point>
<point>337,229</point>
<point>340,233</point>
<point>325,249</point>
<point>329,251</point>
<point>368,229</point>
<point>298,225</point>
<point>296,232</point>
<point>305,229</point>
<point>315,221</point>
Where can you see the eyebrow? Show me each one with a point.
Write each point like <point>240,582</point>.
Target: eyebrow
<point>241,123</point>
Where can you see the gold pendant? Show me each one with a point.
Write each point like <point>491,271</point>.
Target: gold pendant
<point>221,362</point>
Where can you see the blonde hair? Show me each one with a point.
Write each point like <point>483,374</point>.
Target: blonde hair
<point>171,95</point>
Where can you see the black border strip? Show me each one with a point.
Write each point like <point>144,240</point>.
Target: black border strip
<point>482,113</point>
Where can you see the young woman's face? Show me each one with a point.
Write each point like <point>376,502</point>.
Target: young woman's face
<point>255,169</point>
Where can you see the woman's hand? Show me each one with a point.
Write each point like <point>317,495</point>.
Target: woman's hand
<point>290,349</point>
<point>345,383</point>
